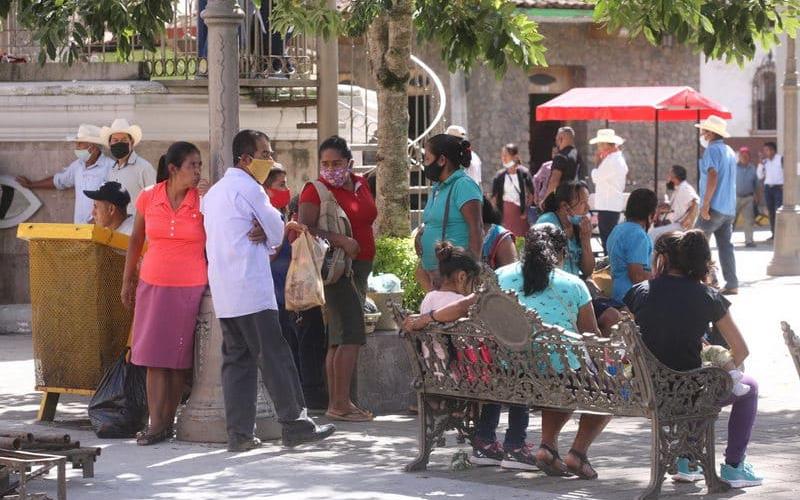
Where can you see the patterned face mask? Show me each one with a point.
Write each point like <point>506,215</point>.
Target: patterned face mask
<point>335,177</point>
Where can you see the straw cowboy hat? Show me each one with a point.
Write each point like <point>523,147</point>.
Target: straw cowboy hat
<point>88,133</point>
<point>456,131</point>
<point>121,126</point>
<point>714,124</point>
<point>607,136</point>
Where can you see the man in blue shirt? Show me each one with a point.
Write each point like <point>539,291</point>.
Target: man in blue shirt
<point>746,193</point>
<point>718,195</point>
<point>629,247</point>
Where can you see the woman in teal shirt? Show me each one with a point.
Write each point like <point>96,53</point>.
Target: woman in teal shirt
<point>567,208</point>
<point>453,211</point>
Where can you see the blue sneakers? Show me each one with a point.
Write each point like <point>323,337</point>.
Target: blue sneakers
<point>741,476</point>
<point>686,472</point>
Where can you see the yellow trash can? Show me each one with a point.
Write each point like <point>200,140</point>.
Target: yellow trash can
<point>79,324</point>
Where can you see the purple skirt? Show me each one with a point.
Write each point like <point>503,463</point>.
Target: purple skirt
<point>163,325</point>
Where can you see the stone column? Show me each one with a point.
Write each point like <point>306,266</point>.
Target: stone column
<point>786,255</point>
<point>223,18</point>
<point>202,420</point>
<point>328,89</point>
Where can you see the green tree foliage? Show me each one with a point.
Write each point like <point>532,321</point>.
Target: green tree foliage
<point>729,30</point>
<point>63,28</point>
<point>469,31</point>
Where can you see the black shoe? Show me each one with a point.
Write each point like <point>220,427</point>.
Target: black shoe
<point>318,433</point>
<point>752,244</point>
<point>244,444</point>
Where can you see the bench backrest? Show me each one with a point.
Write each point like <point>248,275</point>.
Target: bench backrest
<point>792,344</point>
<point>503,352</point>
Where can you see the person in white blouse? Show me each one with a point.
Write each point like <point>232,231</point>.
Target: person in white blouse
<point>681,212</point>
<point>244,299</point>
<point>131,170</point>
<point>770,172</point>
<point>86,173</point>
<point>475,164</point>
<point>609,181</point>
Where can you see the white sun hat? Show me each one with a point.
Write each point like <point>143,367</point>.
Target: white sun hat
<point>607,136</point>
<point>121,126</point>
<point>87,133</point>
<point>714,124</point>
<point>457,131</point>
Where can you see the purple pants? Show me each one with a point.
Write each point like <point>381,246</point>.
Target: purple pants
<point>740,423</point>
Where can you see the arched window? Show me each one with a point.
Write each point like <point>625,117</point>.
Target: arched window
<point>765,115</point>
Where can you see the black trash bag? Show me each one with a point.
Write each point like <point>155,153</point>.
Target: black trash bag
<point>118,408</point>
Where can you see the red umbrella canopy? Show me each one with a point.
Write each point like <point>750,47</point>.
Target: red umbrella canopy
<point>622,104</point>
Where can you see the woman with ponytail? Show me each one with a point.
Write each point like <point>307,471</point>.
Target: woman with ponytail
<point>453,211</point>
<point>560,299</point>
<point>170,284</point>
<point>673,311</point>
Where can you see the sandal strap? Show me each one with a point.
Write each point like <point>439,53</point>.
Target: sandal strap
<point>550,450</point>
<point>581,456</point>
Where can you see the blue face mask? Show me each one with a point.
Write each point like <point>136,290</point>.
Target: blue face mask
<point>576,219</point>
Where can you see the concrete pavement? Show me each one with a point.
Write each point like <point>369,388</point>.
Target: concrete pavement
<point>364,461</point>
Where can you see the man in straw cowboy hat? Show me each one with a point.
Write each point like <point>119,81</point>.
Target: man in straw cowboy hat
<point>87,172</point>
<point>131,170</point>
<point>609,181</point>
<point>718,195</point>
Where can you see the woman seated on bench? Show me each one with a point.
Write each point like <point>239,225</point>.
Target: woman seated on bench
<point>673,312</point>
<point>560,299</point>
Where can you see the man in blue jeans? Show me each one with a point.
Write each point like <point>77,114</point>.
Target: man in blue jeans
<point>718,195</point>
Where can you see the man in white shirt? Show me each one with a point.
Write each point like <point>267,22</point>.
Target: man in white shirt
<point>475,165</point>
<point>681,212</point>
<point>111,207</point>
<point>244,300</point>
<point>131,170</point>
<point>87,172</point>
<point>609,181</point>
<point>770,172</point>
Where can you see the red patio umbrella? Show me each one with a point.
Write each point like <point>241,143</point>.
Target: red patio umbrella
<point>620,104</point>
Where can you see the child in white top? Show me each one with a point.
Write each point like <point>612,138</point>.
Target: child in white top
<point>459,272</point>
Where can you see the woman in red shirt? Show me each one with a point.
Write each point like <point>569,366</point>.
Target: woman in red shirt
<point>170,284</point>
<point>344,308</point>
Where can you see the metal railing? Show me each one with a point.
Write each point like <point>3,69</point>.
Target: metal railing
<point>359,121</point>
<point>182,48</point>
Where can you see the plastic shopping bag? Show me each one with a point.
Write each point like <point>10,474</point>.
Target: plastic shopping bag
<point>118,408</point>
<point>304,285</point>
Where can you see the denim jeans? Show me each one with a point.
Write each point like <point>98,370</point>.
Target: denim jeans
<point>518,418</point>
<point>773,195</point>
<point>721,226</point>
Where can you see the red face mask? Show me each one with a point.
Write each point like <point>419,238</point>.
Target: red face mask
<point>279,197</point>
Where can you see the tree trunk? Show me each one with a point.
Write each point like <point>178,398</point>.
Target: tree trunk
<point>389,42</point>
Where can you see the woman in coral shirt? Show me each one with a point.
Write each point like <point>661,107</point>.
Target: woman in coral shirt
<point>170,284</point>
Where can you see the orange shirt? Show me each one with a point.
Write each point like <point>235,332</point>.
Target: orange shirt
<point>175,239</point>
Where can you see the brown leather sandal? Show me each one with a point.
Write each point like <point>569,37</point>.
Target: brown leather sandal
<point>579,470</point>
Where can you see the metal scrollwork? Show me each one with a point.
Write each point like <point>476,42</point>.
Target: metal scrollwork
<point>478,359</point>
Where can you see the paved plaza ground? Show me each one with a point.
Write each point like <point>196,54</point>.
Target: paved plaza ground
<point>364,461</point>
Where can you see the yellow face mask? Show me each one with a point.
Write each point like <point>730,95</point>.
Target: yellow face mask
<point>259,169</point>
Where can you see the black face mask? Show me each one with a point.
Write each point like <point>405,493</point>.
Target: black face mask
<point>670,186</point>
<point>433,171</point>
<point>120,150</point>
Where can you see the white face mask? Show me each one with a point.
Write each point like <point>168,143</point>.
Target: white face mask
<point>509,163</point>
<point>703,141</point>
<point>83,154</point>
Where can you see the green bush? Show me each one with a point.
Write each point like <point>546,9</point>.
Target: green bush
<point>397,256</point>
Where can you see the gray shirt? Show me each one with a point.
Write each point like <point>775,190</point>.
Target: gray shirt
<point>746,180</point>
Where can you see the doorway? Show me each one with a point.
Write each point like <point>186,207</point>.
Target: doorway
<point>542,133</point>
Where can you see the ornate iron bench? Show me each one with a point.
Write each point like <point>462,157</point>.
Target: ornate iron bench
<point>503,353</point>
<point>792,344</point>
